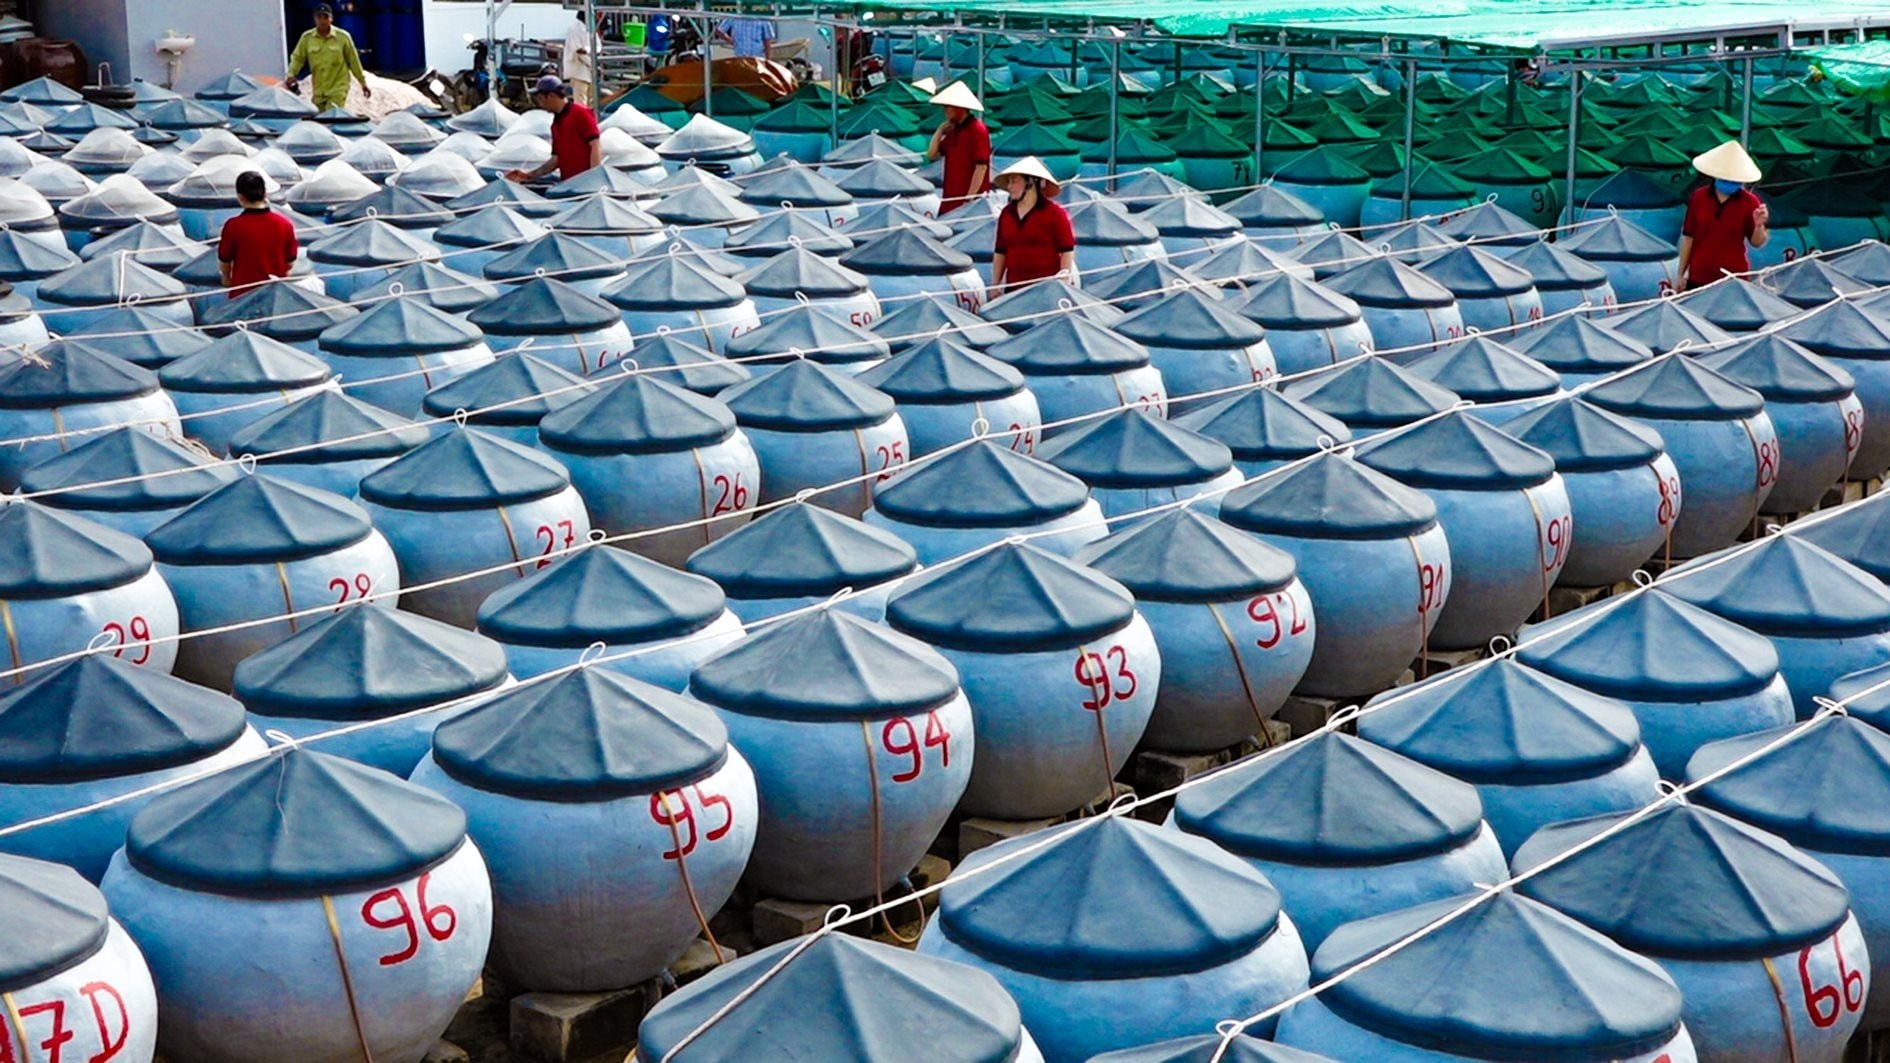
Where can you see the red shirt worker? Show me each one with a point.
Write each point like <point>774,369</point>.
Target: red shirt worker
<point>1034,237</point>
<point>576,140</point>
<point>1723,216</point>
<point>964,142</point>
<point>258,244</point>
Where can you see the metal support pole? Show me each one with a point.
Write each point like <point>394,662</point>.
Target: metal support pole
<point>1115,92</point>
<point>981,88</point>
<point>1745,104</point>
<point>492,50</point>
<point>1509,96</point>
<point>1574,137</point>
<point>1292,75</point>
<point>1410,136</point>
<point>1076,59</point>
<point>708,60</point>
<point>944,59</point>
<point>597,58</point>
<point>836,80</point>
<point>1259,114</point>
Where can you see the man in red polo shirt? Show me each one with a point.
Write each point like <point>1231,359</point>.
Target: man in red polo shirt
<point>257,244</point>
<point>576,143</point>
<point>1723,216</point>
<point>965,143</point>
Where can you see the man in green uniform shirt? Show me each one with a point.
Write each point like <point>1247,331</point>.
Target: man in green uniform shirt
<point>331,57</point>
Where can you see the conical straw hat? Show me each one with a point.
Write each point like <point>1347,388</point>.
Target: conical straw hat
<point>1032,166</point>
<point>926,85</point>
<point>1728,162</point>
<point>957,95</point>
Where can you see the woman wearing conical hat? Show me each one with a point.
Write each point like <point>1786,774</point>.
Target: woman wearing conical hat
<point>1034,238</point>
<point>1723,216</point>
<point>964,142</point>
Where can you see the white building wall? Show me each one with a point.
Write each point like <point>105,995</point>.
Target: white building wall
<point>231,35</point>
<point>450,22</point>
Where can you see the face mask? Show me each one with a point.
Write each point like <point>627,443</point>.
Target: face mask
<point>1726,188</point>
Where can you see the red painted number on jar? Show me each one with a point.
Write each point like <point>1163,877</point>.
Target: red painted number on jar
<point>138,630</point>
<point>1853,429</point>
<point>111,1041</point>
<point>1768,462</point>
<point>1430,587</point>
<point>969,300</point>
<point>1666,286</point>
<point>1535,312</point>
<point>550,535</point>
<point>1106,676</point>
<point>1265,611</point>
<point>671,808</point>
<point>731,494</point>
<point>1791,254</point>
<point>904,739</point>
<point>56,1037</point>
<point>438,920</point>
<point>862,318</point>
<point>1827,1003</point>
<point>346,589</point>
<point>1556,538</point>
<point>1023,438</point>
<point>889,455</point>
<point>1154,401</point>
<point>1669,499</point>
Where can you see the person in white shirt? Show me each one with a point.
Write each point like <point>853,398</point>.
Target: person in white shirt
<point>578,65</point>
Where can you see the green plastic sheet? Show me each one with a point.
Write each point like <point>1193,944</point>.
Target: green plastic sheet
<point>1520,25</point>
<point>1863,68</point>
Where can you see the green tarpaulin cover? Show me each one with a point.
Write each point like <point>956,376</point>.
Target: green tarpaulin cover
<point>1862,68</point>
<point>1526,25</point>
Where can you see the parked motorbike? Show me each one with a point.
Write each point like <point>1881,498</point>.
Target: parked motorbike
<point>865,67</point>
<point>520,63</point>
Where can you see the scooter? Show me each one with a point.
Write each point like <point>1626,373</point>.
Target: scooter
<point>868,74</point>
<point>684,39</point>
<point>520,63</point>
<point>473,86</point>
<point>866,68</point>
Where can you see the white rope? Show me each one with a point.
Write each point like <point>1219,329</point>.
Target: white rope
<point>1233,1028</point>
<point>1461,673</point>
<point>684,248</point>
<point>529,346</point>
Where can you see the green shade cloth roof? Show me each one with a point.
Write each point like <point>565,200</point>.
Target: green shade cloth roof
<point>1515,24</point>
